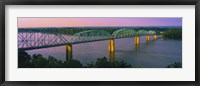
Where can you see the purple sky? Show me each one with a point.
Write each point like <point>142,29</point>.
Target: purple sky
<point>78,22</point>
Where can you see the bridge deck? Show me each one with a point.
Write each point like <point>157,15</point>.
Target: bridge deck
<point>48,46</point>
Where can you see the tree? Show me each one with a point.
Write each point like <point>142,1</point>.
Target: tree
<point>175,65</point>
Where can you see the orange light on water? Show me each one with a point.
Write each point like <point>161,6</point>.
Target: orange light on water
<point>137,46</point>
<point>112,56</point>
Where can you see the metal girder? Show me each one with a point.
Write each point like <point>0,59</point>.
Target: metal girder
<point>123,33</point>
<point>36,39</point>
<point>151,32</point>
<point>90,35</point>
<point>142,32</point>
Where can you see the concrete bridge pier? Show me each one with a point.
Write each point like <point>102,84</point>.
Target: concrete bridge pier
<point>111,46</point>
<point>154,37</point>
<point>137,40</point>
<point>111,49</point>
<point>147,38</point>
<point>68,52</point>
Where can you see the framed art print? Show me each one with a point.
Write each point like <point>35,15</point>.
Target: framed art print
<point>106,42</point>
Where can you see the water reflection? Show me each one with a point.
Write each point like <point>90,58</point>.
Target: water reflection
<point>111,56</point>
<point>137,46</point>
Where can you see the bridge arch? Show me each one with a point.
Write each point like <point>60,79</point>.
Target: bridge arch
<point>123,33</point>
<point>151,32</point>
<point>90,35</point>
<point>142,32</point>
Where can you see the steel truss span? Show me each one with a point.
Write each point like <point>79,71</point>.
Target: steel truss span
<point>36,39</point>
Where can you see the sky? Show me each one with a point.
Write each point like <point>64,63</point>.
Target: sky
<point>84,22</point>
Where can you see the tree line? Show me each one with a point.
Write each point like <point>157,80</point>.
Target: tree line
<point>73,30</point>
<point>173,34</point>
<point>38,61</point>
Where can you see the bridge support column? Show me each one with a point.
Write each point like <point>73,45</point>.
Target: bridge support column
<point>147,38</point>
<point>68,52</point>
<point>111,46</point>
<point>111,49</point>
<point>137,40</point>
<point>154,37</point>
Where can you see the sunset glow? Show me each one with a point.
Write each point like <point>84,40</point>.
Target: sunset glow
<point>79,22</point>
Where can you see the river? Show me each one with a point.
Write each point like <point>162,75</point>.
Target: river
<point>156,54</point>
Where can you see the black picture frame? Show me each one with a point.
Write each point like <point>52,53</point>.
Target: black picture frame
<point>99,2</point>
